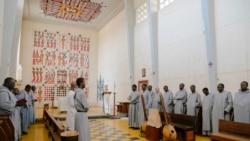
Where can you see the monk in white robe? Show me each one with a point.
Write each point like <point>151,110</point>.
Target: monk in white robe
<point>156,101</point>
<point>148,103</point>
<point>25,108</point>
<point>30,107</point>
<point>207,105</point>
<point>168,99</point>
<point>8,103</point>
<point>32,97</point>
<point>150,91</point>
<point>181,99</point>
<point>222,106</point>
<point>133,108</point>
<point>82,106</point>
<point>17,115</point>
<point>71,111</point>
<point>242,104</point>
<point>193,101</point>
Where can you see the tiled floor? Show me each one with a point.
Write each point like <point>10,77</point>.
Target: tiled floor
<point>101,130</point>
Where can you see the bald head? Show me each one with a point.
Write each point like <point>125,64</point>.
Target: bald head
<point>157,90</point>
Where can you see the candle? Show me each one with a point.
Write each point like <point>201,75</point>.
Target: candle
<point>114,86</point>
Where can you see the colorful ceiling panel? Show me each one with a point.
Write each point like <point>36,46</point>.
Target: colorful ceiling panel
<point>73,10</point>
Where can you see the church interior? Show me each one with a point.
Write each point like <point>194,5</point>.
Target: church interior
<point>114,44</point>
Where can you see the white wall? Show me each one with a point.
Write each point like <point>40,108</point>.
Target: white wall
<point>113,57</point>
<point>142,53</point>
<point>28,28</point>
<point>232,21</point>
<point>182,50</point>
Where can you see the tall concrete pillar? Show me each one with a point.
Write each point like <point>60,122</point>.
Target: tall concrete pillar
<point>12,19</point>
<point>209,30</point>
<point>130,23</point>
<point>152,8</point>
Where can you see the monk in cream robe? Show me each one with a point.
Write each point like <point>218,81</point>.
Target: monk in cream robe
<point>242,104</point>
<point>148,104</point>
<point>193,101</point>
<point>156,101</point>
<point>207,105</point>
<point>181,99</point>
<point>82,106</point>
<point>71,111</point>
<point>133,108</point>
<point>222,106</point>
<point>168,99</point>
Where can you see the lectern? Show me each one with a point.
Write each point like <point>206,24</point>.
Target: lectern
<point>106,97</point>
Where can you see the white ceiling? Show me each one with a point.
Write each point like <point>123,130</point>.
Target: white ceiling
<point>111,8</point>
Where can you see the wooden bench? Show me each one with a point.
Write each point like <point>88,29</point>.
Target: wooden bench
<point>55,128</point>
<point>7,131</point>
<point>123,107</point>
<point>231,131</point>
<point>184,126</point>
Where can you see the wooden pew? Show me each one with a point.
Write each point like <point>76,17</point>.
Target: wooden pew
<point>184,126</point>
<point>55,128</point>
<point>198,125</point>
<point>7,131</point>
<point>231,131</point>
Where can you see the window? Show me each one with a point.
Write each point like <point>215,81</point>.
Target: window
<point>141,13</point>
<point>165,3</point>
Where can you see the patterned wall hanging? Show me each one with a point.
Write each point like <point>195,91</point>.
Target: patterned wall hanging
<point>57,60</point>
